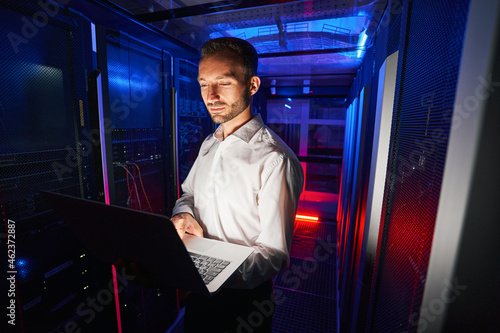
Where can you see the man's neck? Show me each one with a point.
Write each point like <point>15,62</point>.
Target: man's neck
<point>234,124</point>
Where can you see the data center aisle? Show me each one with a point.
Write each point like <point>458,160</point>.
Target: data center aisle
<point>306,291</point>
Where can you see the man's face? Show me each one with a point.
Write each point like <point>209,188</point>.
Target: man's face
<point>224,89</point>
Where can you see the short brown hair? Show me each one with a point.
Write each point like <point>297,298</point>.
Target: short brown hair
<point>240,47</point>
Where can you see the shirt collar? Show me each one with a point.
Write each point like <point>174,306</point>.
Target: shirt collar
<point>245,132</point>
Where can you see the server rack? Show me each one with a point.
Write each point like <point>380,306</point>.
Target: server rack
<point>419,137</point>
<point>392,276</point>
<point>87,111</point>
<point>193,120</point>
<point>136,104</point>
<point>462,289</point>
<point>46,144</point>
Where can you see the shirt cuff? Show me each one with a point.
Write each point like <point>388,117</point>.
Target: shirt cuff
<point>183,209</point>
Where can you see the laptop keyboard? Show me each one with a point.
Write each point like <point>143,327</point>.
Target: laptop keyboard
<point>208,267</point>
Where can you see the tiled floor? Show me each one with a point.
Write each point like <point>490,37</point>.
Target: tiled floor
<point>306,293</point>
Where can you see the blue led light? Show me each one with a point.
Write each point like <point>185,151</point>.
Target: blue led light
<point>288,106</point>
<point>305,87</point>
<point>361,43</point>
<point>348,26</point>
<point>22,269</point>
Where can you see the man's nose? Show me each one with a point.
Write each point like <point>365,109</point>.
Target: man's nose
<point>212,94</point>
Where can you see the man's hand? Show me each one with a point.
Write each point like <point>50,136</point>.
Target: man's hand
<point>185,222</point>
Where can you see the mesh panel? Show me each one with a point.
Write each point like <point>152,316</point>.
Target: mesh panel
<point>306,291</point>
<point>44,106</point>
<point>135,76</point>
<point>308,276</point>
<point>298,312</point>
<point>395,10</point>
<point>426,83</point>
<point>44,121</point>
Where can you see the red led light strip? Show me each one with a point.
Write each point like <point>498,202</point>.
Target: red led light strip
<point>306,218</point>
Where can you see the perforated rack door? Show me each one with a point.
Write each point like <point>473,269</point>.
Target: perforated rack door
<point>44,145</point>
<point>428,69</point>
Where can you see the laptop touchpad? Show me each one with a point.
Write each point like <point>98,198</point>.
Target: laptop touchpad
<point>197,244</point>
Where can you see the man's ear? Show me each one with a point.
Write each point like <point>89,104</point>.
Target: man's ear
<point>254,84</point>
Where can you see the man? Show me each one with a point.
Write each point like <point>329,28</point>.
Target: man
<point>243,188</point>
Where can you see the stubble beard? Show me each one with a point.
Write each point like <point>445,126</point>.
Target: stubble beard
<point>233,110</point>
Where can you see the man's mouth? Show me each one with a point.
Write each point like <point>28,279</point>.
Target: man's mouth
<point>217,109</point>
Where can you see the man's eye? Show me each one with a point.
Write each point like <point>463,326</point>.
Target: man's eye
<point>203,85</point>
<point>225,83</point>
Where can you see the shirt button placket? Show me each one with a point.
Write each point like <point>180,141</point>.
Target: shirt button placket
<point>215,185</point>
<point>216,169</point>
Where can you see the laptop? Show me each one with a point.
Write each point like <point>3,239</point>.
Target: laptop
<point>110,233</point>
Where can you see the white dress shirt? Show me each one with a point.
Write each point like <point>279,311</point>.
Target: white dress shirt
<point>245,190</point>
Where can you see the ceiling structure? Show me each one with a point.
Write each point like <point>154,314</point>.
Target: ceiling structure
<point>321,42</point>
